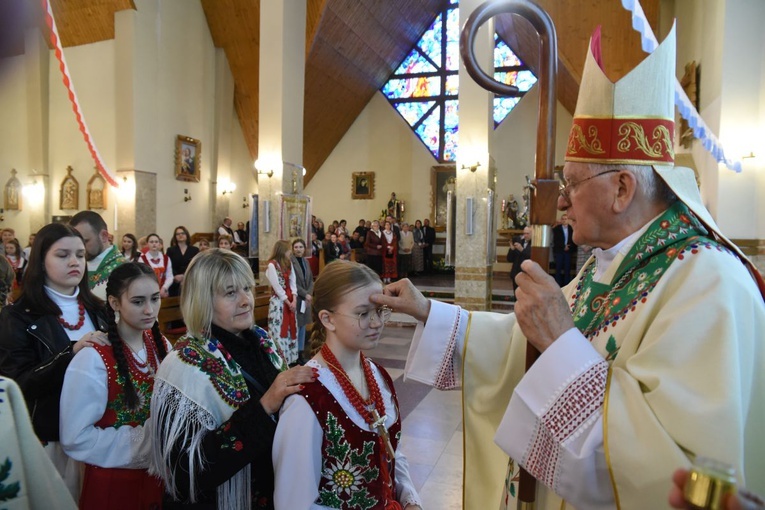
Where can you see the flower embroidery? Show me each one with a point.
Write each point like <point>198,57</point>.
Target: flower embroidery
<point>346,470</point>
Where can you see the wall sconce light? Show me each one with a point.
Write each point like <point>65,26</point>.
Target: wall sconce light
<point>472,168</point>
<point>265,167</point>
<point>245,203</point>
<point>186,196</point>
<point>229,188</point>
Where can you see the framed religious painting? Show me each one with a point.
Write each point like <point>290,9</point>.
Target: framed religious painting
<point>12,197</point>
<point>70,191</point>
<point>187,158</point>
<point>96,191</point>
<point>443,178</point>
<point>363,185</point>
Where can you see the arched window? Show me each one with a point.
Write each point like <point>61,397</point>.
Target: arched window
<point>424,89</point>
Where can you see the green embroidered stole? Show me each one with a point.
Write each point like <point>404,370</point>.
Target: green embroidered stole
<point>596,306</point>
<point>112,259</point>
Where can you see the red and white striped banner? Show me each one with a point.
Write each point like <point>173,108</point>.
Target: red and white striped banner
<point>102,168</point>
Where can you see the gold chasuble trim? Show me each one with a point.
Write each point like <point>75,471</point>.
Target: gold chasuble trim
<point>605,438</point>
<point>464,436</point>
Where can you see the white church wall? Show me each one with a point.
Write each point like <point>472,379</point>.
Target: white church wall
<point>172,87</point>
<point>380,141</point>
<point>14,149</point>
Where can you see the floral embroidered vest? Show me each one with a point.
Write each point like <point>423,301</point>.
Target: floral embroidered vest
<point>350,471</point>
<point>117,412</point>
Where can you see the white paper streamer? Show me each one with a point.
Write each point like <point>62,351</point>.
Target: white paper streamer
<point>700,130</point>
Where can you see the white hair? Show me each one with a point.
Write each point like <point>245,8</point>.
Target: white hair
<point>650,184</point>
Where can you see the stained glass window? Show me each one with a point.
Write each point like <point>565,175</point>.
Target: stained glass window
<point>424,89</point>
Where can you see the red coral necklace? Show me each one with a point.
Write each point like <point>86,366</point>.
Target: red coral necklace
<point>372,410</point>
<point>135,364</point>
<point>80,322</point>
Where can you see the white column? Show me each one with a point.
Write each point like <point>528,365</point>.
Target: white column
<point>473,276</point>
<point>280,109</point>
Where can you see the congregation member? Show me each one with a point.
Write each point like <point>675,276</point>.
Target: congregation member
<point>316,249</point>
<point>373,247</point>
<point>130,251</point>
<point>106,396</point>
<point>225,242</point>
<point>428,240</point>
<point>651,357</point>
<point>159,262</point>
<point>336,441</point>
<point>564,251</point>
<point>7,278</point>
<point>225,228</point>
<point>6,235</point>
<point>390,254</point>
<point>304,287</point>
<point>55,317</point>
<point>102,255</point>
<point>241,239</point>
<point>203,244</point>
<point>362,230</point>
<point>405,247</point>
<point>216,395</point>
<point>345,247</point>
<point>520,250</point>
<point>332,249</point>
<point>282,307</point>
<point>180,254</point>
<point>26,251</point>
<point>17,261</point>
<point>418,261</point>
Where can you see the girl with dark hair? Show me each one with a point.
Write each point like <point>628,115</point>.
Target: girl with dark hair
<point>340,437</point>
<point>282,307</point>
<point>217,393</point>
<point>180,253</point>
<point>106,396</point>
<point>130,248</point>
<point>53,319</point>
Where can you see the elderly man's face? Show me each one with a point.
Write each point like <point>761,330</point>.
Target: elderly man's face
<point>588,204</point>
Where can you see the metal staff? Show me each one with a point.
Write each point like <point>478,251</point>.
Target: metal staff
<point>544,189</point>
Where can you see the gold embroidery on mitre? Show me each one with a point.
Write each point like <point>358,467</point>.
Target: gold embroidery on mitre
<point>661,140</point>
<point>577,136</point>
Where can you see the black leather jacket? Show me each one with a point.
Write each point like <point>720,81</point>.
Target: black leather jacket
<point>35,351</point>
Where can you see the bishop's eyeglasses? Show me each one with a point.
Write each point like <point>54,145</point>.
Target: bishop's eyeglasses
<point>565,188</point>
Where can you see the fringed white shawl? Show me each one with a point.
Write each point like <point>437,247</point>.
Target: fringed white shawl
<point>197,388</point>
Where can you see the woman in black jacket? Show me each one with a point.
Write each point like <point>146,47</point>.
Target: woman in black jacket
<point>40,333</point>
<point>180,253</point>
<point>217,394</point>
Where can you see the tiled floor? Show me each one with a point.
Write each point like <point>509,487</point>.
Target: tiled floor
<point>432,427</point>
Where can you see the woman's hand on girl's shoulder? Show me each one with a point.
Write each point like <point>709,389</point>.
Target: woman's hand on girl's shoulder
<point>91,340</point>
<point>287,383</point>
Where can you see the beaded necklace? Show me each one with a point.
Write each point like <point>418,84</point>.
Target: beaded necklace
<point>372,409</point>
<point>138,367</point>
<point>373,412</point>
<point>80,322</point>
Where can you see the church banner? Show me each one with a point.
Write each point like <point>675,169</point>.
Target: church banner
<point>295,218</point>
<point>253,226</point>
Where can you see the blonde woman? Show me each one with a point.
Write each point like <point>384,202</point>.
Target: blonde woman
<point>217,393</point>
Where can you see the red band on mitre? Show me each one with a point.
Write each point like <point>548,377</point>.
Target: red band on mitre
<point>621,140</point>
